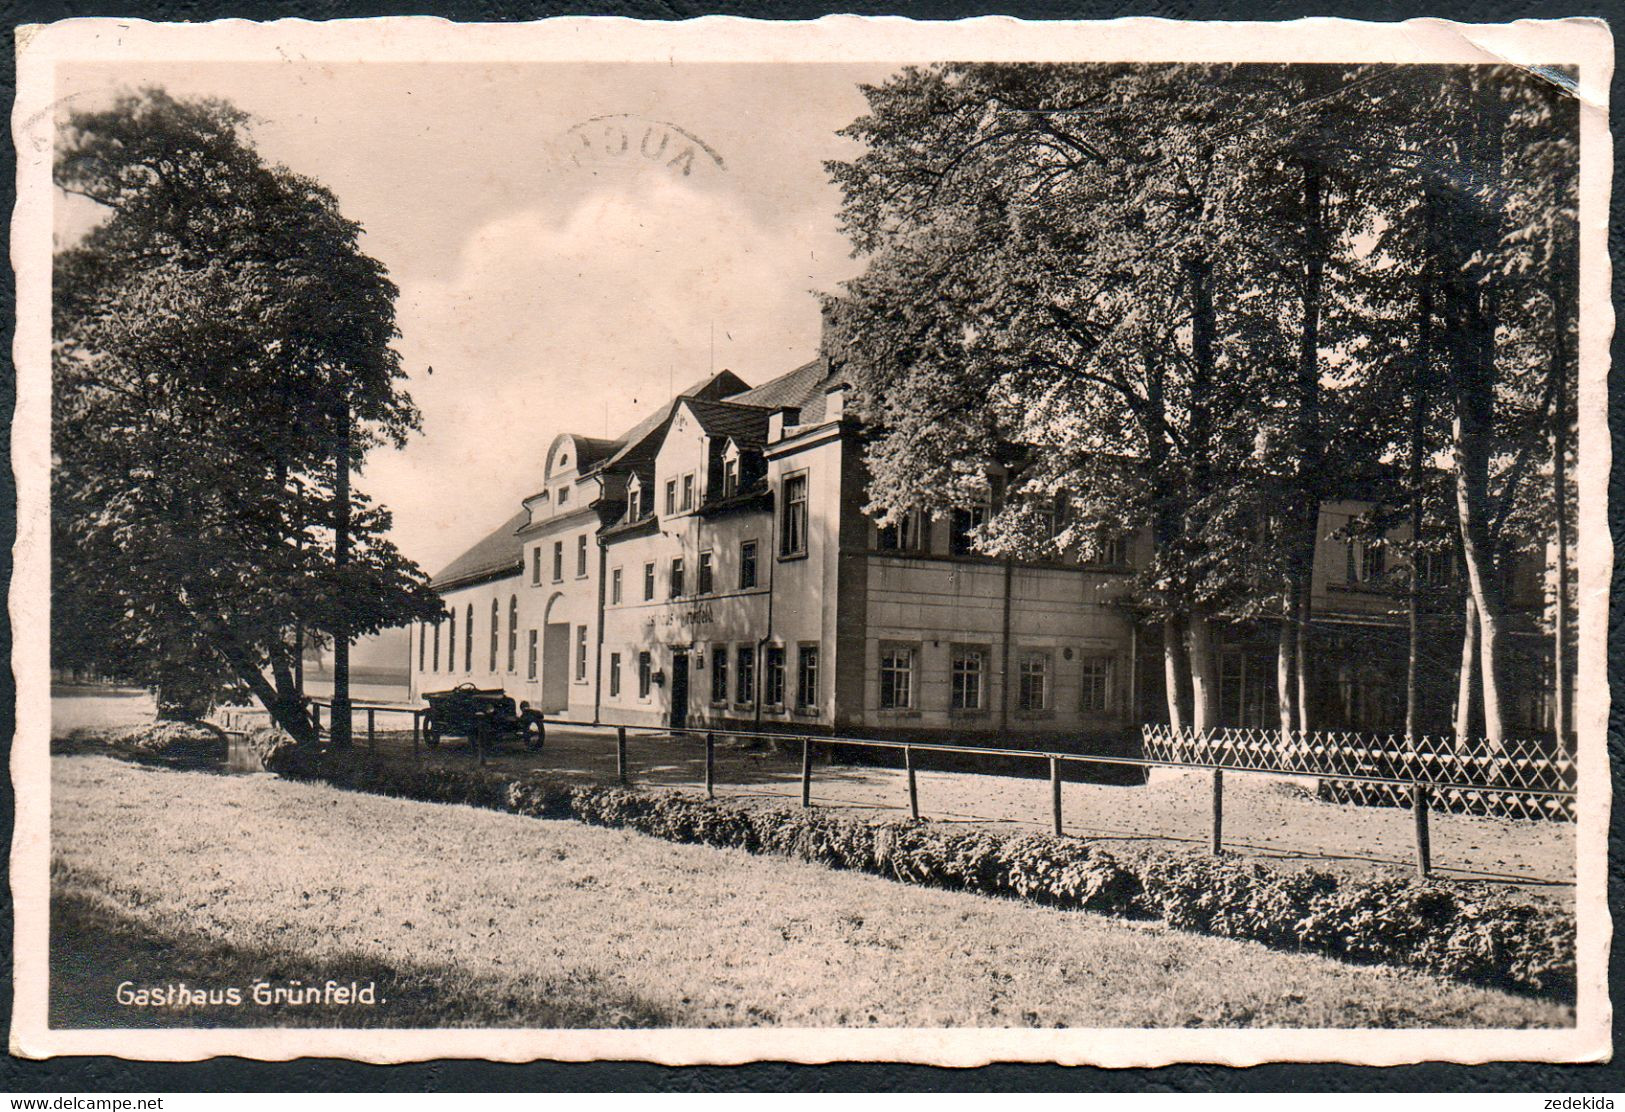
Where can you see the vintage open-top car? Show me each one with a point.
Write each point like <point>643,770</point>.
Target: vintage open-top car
<point>486,716</point>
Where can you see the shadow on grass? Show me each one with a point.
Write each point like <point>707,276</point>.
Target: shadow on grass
<point>95,948</point>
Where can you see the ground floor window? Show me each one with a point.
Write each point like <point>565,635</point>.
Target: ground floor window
<point>773,676</point>
<point>614,675</point>
<point>807,677</point>
<point>719,673</point>
<point>581,653</point>
<point>437,646</point>
<point>1034,689</point>
<point>645,675</point>
<point>530,655</point>
<point>896,677</point>
<point>969,678</point>
<point>745,689</point>
<point>1096,695</point>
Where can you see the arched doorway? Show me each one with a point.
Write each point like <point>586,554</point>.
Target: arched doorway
<point>555,659</point>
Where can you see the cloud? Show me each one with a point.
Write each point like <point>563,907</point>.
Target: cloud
<point>582,319</point>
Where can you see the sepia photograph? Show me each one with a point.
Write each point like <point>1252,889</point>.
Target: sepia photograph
<point>862,539</point>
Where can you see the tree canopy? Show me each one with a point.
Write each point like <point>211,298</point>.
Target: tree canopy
<point>1181,297</point>
<point>217,338</point>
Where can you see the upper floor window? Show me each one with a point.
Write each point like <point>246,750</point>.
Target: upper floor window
<point>961,529</point>
<point>906,535</point>
<point>1366,561</point>
<point>747,565</point>
<point>581,554</point>
<point>615,587</point>
<point>671,497</point>
<point>648,581</point>
<point>688,492</point>
<point>536,564</point>
<point>1110,552</point>
<point>635,508</point>
<point>705,584</point>
<point>564,495</point>
<point>793,527</point>
<point>730,478</point>
<point>1437,568</point>
<point>676,580</point>
<point>558,561</point>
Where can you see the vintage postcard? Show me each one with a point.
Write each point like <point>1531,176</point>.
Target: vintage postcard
<point>860,539</point>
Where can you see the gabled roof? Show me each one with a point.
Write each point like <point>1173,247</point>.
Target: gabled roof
<point>496,555</point>
<point>721,385</point>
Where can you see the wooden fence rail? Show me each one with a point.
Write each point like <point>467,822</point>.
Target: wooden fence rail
<point>1420,789</point>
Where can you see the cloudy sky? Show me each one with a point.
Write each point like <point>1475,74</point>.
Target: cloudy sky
<point>558,268</point>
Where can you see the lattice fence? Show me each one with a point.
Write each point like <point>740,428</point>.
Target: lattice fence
<point>1516,779</point>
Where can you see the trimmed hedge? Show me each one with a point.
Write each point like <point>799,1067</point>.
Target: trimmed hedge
<point>1458,931</point>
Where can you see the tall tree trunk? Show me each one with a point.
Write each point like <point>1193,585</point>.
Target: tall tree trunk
<point>1176,670</point>
<point>1310,450</point>
<point>1285,654</point>
<point>1418,452</point>
<point>339,730</point>
<point>1468,720</point>
<point>1306,601</point>
<point>1204,674</point>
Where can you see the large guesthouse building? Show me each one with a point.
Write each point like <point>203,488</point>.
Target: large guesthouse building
<point>713,567</point>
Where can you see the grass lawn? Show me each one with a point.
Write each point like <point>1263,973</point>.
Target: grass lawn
<point>468,917</point>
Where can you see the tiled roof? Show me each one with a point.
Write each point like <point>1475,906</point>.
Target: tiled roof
<point>745,424</point>
<point>497,554</point>
<point>794,388</point>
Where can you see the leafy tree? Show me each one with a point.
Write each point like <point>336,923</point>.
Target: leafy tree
<point>216,338</point>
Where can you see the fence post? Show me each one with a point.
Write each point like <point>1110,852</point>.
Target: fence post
<point>372,738</point>
<point>1055,793</point>
<point>913,787</point>
<point>1424,840</point>
<point>806,772</point>
<point>417,730</point>
<point>620,753</point>
<point>710,765</point>
<point>1218,810</point>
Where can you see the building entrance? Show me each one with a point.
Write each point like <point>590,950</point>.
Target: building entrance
<point>679,690</point>
<point>556,668</point>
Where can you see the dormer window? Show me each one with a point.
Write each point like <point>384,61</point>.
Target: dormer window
<point>564,460</point>
<point>634,500</point>
<point>730,478</point>
<point>564,495</point>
